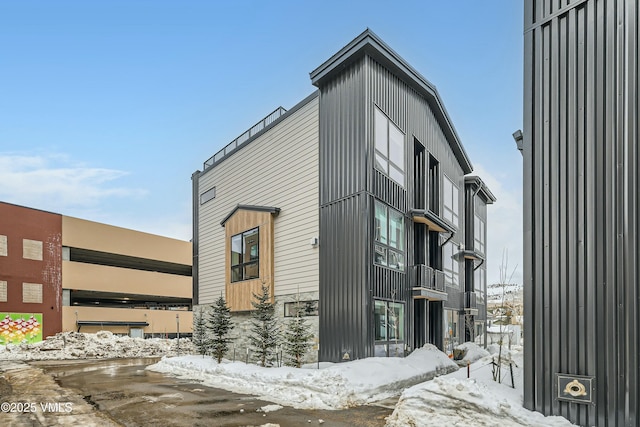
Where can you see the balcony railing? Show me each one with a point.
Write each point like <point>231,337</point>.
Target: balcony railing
<point>423,276</point>
<point>470,301</point>
<point>230,147</point>
<point>438,280</point>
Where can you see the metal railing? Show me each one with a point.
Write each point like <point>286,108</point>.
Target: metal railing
<point>470,301</point>
<point>423,276</point>
<point>253,130</point>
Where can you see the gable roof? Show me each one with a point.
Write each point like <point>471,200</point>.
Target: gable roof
<point>369,43</point>
<point>270,209</point>
<point>481,188</point>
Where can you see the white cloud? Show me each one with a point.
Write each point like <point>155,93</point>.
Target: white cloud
<point>504,226</point>
<point>51,182</point>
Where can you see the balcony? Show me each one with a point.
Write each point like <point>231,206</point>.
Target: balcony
<point>427,283</point>
<point>470,303</point>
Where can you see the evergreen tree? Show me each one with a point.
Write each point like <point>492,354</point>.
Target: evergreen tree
<point>297,338</point>
<point>220,322</point>
<point>264,328</point>
<point>199,337</point>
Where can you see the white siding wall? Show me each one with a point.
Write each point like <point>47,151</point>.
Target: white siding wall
<point>278,169</point>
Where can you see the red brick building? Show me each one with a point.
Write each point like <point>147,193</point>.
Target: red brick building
<point>30,269</point>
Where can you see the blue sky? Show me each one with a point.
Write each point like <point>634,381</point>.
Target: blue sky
<point>108,107</point>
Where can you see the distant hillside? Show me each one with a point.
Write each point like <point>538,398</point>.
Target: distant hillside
<point>512,292</point>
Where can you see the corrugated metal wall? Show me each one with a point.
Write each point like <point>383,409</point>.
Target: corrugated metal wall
<point>581,206</point>
<point>348,185</point>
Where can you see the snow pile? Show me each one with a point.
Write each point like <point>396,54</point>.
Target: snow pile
<point>472,352</point>
<point>101,345</point>
<point>337,386</point>
<point>479,401</point>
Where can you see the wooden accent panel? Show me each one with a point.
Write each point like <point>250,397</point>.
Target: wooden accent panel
<point>240,294</point>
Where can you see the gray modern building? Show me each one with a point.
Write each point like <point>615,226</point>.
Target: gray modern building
<point>581,210</point>
<point>357,206</point>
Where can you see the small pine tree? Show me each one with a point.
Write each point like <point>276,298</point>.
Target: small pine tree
<point>297,338</point>
<point>220,322</point>
<point>264,328</point>
<point>199,337</point>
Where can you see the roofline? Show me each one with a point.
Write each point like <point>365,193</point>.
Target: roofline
<point>369,43</point>
<point>486,193</point>
<point>267,128</point>
<point>270,209</point>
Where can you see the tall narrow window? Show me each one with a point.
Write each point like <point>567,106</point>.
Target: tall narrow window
<point>478,234</point>
<point>389,236</point>
<point>479,283</point>
<point>434,185</point>
<point>450,266</point>
<point>450,201</point>
<point>245,250</point>
<point>389,145</point>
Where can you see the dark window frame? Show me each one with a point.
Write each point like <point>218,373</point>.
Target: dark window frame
<point>387,164</point>
<point>306,308</point>
<point>382,242</point>
<point>208,195</point>
<point>242,269</point>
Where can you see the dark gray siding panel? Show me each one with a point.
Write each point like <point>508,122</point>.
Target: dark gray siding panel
<point>414,117</point>
<point>345,290</point>
<point>581,206</point>
<point>343,132</point>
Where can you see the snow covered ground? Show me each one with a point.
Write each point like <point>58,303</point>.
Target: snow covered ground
<point>432,390</point>
<point>335,386</point>
<point>448,399</point>
<point>456,400</point>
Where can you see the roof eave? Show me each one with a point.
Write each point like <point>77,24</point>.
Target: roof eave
<point>368,42</point>
<point>272,210</point>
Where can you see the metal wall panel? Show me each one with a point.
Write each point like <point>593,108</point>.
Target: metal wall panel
<point>345,281</point>
<point>581,206</point>
<point>348,185</point>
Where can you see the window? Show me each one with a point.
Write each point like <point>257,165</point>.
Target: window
<point>434,185</point>
<point>479,283</point>
<point>3,245</point>
<point>244,255</point>
<point>3,291</point>
<point>389,144</point>
<point>389,320</point>
<point>32,249</point>
<point>478,234</point>
<point>210,194</point>
<point>305,308</point>
<point>389,237</point>
<point>450,201</point>
<point>450,266</point>
<point>450,330</point>
<point>32,292</point>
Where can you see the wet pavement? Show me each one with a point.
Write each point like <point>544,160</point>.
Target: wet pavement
<point>122,392</point>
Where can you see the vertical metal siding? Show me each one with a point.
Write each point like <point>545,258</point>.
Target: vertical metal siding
<point>345,283</point>
<point>348,184</point>
<point>581,205</point>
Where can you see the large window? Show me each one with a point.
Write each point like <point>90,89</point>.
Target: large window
<point>389,320</point>
<point>478,234</point>
<point>389,143</point>
<point>389,237</point>
<point>450,266</point>
<point>450,201</point>
<point>245,249</point>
